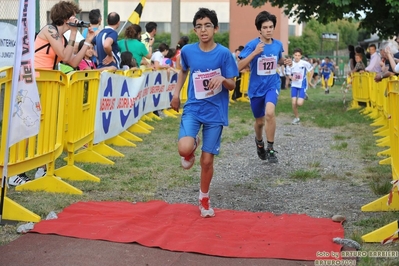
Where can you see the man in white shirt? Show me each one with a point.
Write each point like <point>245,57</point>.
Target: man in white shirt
<point>375,60</point>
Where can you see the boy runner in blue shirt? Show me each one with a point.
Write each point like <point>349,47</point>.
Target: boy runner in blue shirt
<point>212,72</point>
<point>326,67</point>
<point>263,54</point>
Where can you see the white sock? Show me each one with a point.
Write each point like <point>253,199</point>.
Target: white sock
<point>203,195</point>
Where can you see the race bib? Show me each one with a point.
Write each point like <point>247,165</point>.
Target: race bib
<point>201,84</point>
<point>297,76</point>
<point>267,66</point>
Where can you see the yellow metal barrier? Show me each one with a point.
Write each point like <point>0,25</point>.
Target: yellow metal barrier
<point>79,125</point>
<point>12,210</point>
<point>377,91</point>
<point>49,143</point>
<point>361,83</point>
<point>389,202</point>
<point>393,116</point>
<point>244,85</point>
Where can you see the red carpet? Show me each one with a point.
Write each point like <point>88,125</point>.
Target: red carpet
<point>178,227</point>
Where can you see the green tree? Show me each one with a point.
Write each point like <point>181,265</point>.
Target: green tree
<point>222,38</point>
<point>373,16</point>
<point>311,40</point>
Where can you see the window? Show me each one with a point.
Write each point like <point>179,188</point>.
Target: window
<point>291,30</point>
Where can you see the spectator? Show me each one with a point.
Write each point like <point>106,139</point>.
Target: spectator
<point>282,73</point>
<point>359,67</point>
<point>56,49</point>
<point>316,67</point>
<point>148,38</point>
<point>95,19</point>
<point>389,52</point>
<point>351,62</point>
<point>133,44</point>
<point>86,63</point>
<point>360,50</point>
<point>157,58</point>
<point>107,43</point>
<point>237,91</point>
<point>128,61</point>
<point>176,58</point>
<point>167,60</point>
<point>375,60</point>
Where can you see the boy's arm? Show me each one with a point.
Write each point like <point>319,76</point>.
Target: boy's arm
<point>181,78</point>
<point>244,62</point>
<point>229,84</point>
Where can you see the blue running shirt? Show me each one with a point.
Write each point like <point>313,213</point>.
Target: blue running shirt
<point>263,66</point>
<point>210,107</point>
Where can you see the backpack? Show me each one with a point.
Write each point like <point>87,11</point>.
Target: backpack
<point>47,45</point>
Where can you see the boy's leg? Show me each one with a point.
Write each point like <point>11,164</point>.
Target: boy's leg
<point>188,140</point>
<point>271,102</point>
<point>258,110</point>
<point>270,121</point>
<point>326,78</point>
<point>294,99</point>
<point>206,160</point>
<point>211,146</point>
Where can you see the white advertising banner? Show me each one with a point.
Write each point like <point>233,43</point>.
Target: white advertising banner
<point>122,101</point>
<point>25,108</point>
<point>8,40</point>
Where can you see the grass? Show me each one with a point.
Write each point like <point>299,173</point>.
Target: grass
<point>151,166</point>
<point>302,174</point>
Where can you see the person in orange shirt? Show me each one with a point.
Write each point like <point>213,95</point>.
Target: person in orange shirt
<point>50,45</point>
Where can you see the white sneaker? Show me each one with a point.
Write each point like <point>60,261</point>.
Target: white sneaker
<point>40,172</point>
<point>17,180</point>
<point>296,121</point>
<point>188,162</point>
<point>205,208</point>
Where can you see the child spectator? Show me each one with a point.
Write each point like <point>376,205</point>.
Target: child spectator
<point>87,62</point>
<point>127,61</point>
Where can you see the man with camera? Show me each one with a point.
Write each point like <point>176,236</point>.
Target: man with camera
<point>148,39</point>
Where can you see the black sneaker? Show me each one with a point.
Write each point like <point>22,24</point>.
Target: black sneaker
<point>327,91</point>
<point>260,148</point>
<point>271,156</point>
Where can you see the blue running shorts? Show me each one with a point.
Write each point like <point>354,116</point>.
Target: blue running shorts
<point>211,133</point>
<point>258,104</point>
<point>298,92</point>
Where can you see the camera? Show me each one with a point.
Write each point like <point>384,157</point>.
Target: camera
<point>80,24</point>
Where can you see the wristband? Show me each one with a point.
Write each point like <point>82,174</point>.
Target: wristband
<point>87,43</point>
<point>71,43</point>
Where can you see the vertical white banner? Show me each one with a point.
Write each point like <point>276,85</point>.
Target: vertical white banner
<point>25,105</point>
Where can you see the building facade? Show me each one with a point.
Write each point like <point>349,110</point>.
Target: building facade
<point>239,21</point>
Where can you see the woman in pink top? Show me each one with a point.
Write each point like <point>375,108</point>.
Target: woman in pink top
<point>50,45</point>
